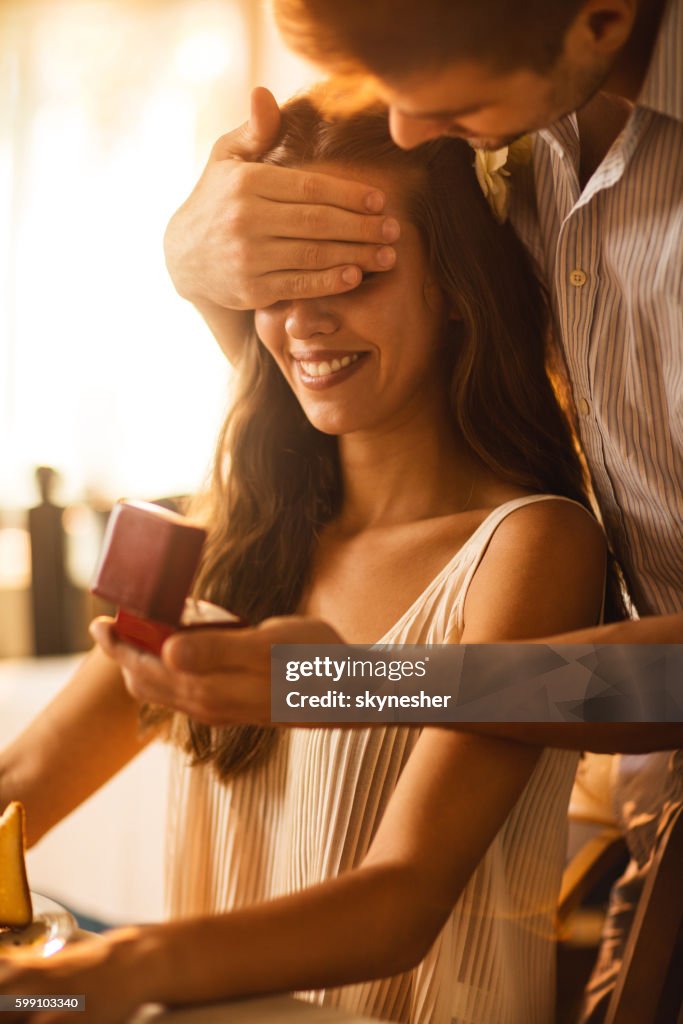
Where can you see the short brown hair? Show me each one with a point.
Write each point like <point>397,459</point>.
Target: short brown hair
<point>390,37</point>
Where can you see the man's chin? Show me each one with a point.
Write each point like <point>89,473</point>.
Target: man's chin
<point>491,145</point>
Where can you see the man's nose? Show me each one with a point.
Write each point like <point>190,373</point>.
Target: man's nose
<point>307,318</point>
<point>408,132</point>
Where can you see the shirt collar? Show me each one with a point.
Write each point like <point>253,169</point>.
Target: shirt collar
<point>663,86</point>
<point>563,137</point>
<point>662,89</point>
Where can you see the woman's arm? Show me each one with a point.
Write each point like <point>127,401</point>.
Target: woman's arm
<point>375,921</point>
<point>82,738</point>
<point>378,920</point>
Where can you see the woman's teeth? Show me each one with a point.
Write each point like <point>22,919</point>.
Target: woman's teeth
<point>324,369</point>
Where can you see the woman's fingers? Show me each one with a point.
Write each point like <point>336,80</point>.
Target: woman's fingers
<point>225,688</point>
<point>87,968</point>
<point>204,651</point>
<point>217,676</point>
<point>101,630</point>
<point>208,650</point>
<point>146,678</point>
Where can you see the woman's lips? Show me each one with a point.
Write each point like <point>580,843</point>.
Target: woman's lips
<point>323,370</point>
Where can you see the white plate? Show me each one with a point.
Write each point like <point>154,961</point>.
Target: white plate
<point>51,928</point>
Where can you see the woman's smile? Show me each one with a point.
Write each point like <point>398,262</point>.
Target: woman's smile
<point>317,370</point>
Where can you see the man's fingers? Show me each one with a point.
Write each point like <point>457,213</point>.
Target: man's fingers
<point>298,254</point>
<point>265,120</point>
<point>302,221</point>
<point>302,284</point>
<point>257,135</point>
<point>289,185</point>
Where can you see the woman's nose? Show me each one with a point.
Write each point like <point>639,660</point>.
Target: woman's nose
<point>307,318</point>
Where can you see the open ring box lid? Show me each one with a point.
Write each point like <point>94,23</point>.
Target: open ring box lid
<point>149,559</point>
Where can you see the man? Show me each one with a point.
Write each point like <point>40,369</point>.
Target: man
<point>598,82</point>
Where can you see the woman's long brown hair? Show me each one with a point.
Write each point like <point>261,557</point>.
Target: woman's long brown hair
<point>276,480</point>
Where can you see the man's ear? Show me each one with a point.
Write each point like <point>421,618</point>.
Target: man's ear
<point>600,28</point>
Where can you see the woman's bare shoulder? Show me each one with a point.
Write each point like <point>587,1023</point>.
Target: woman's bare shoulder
<point>542,573</point>
<point>553,521</point>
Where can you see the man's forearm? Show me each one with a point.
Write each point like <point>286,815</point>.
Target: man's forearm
<point>609,737</point>
<point>655,629</point>
<point>603,738</point>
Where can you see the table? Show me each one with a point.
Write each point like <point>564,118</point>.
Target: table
<point>269,1010</point>
<point>116,836</point>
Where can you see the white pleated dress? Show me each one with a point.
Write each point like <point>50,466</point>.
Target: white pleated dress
<point>310,811</point>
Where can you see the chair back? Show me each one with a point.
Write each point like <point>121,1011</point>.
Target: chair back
<point>649,988</point>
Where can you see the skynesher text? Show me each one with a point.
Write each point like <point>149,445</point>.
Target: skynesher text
<point>367,700</point>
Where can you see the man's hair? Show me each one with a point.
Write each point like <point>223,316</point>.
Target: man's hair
<point>404,37</point>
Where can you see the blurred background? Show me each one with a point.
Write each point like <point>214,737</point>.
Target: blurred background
<point>108,380</point>
<point>110,384</point>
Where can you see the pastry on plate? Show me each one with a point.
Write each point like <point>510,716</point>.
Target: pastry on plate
<point>16,910</point>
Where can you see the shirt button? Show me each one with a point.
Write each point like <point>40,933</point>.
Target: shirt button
<point>578,278</point>
<point>583,407</point>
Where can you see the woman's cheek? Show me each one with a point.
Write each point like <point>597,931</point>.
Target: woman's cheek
<point>269,325</point>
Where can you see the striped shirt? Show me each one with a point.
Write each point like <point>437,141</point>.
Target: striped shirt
<point>613,258</point>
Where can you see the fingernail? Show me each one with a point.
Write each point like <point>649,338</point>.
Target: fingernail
<point>374,202</point>
<point>391,229</point>
<point>386,256</point>
<point>351,275</point>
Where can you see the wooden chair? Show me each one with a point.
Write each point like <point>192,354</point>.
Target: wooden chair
<point>649,987</point>
<point>601,853</point>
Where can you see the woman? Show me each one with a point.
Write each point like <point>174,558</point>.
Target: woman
<point>412,416</point>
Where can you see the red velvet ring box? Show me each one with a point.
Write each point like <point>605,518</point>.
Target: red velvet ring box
<point>148,562</point>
